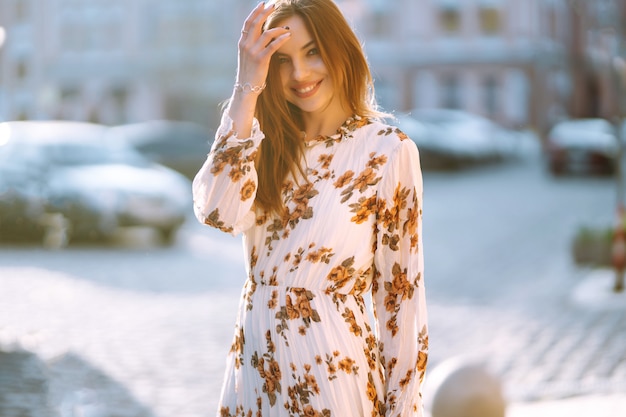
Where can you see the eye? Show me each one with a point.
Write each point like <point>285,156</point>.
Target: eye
<point>313,51</point>
<point>281,59</point>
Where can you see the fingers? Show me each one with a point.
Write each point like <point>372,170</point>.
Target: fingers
<point>256,46</point>
<point>277,40</point>
<point>254,22</point>
<point>253,15</point>
<point>267,44</point>
<point>271,35</point>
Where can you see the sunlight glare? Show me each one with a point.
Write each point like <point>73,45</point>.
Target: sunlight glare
<point>5,133</point>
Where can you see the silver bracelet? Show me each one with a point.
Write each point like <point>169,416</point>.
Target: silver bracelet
<point>249,88</point>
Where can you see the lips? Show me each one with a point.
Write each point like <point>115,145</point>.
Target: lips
<point>304,91</point>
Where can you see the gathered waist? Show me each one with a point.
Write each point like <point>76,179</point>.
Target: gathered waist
<point>356,291</point>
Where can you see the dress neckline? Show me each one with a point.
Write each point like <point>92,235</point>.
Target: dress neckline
<point>343,132</point>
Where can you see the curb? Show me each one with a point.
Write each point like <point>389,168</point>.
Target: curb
<point>595,292</point>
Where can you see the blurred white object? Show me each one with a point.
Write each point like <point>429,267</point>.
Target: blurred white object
<point>582,146</point>
<point>97,186</point>
<point>182,146</point>
<point>462,388</point>
<point>82,403</point>
<point>456,137</point>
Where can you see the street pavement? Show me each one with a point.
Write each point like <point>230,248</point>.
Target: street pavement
<point>134,329</point>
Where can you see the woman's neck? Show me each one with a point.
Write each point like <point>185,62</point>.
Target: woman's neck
<point>325,124</point>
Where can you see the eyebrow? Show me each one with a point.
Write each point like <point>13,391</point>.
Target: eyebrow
<point>311,43</point>
<point>308,45</point>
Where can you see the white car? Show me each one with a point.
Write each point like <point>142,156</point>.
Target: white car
<point>182,146</point>
<point>582,146</point>
<point>453,138</point>
<point>97,186</point>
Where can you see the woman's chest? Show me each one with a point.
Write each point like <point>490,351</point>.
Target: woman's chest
<point>334,197</point>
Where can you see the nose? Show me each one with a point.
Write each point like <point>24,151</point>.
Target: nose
<point>300,70</point>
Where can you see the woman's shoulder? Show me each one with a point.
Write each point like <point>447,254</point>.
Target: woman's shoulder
<point>381,134</point>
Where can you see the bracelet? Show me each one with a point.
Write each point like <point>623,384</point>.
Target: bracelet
<point>249,88</point>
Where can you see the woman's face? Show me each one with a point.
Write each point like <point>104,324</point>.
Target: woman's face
<point>306,82</point>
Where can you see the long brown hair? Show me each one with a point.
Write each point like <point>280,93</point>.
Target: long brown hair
<point>280,121</point>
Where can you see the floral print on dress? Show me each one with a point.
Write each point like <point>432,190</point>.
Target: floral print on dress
<point>304,342</point>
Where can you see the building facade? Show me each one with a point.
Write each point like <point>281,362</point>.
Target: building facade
<point>117,61</point>
<point>597,53</point>
<point>504,59</point>
<point>519,62</point>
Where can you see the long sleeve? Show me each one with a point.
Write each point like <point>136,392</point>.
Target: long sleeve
<point>398,291</point>
<point>224,189</point>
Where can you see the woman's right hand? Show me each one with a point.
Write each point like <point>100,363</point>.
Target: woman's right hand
<point>256,46</point>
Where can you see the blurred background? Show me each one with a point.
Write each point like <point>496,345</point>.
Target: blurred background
<point>115,301</point>
<point>521,63</point>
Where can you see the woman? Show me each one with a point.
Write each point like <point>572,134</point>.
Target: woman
<point>328,199</point>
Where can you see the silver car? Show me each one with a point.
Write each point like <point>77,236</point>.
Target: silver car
<point>97,186</point>
<point>587,146</point>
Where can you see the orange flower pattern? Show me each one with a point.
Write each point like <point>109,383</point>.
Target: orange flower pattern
<point>304,343</point>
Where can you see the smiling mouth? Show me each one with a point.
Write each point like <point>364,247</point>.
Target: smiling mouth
<point>307,91</point>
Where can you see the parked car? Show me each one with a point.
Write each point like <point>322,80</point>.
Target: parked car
<point>96,185</point>
<point>182,146</point>
<point>418,131</point>
<point>582,146</point>
<point>456,138</point>
<point>22,204</point>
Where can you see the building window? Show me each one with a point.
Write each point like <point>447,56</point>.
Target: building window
<point>93,117</point>
<point>69,93</point>
<point>72,36</point>
<point>554,23</point>
<point>451,92</point>
<point>490,20</point>
<point>21,10</point>
<point>490,91</point>
<point>21,70</point>
<point>119,96</point>
<point>379,23</point>
<point>450,19</point>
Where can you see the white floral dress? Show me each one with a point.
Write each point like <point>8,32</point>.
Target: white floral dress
<point>303,344</point>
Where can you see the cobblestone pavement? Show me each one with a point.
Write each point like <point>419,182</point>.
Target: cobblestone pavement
<point>506,293</point>
<point>138,330</point>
